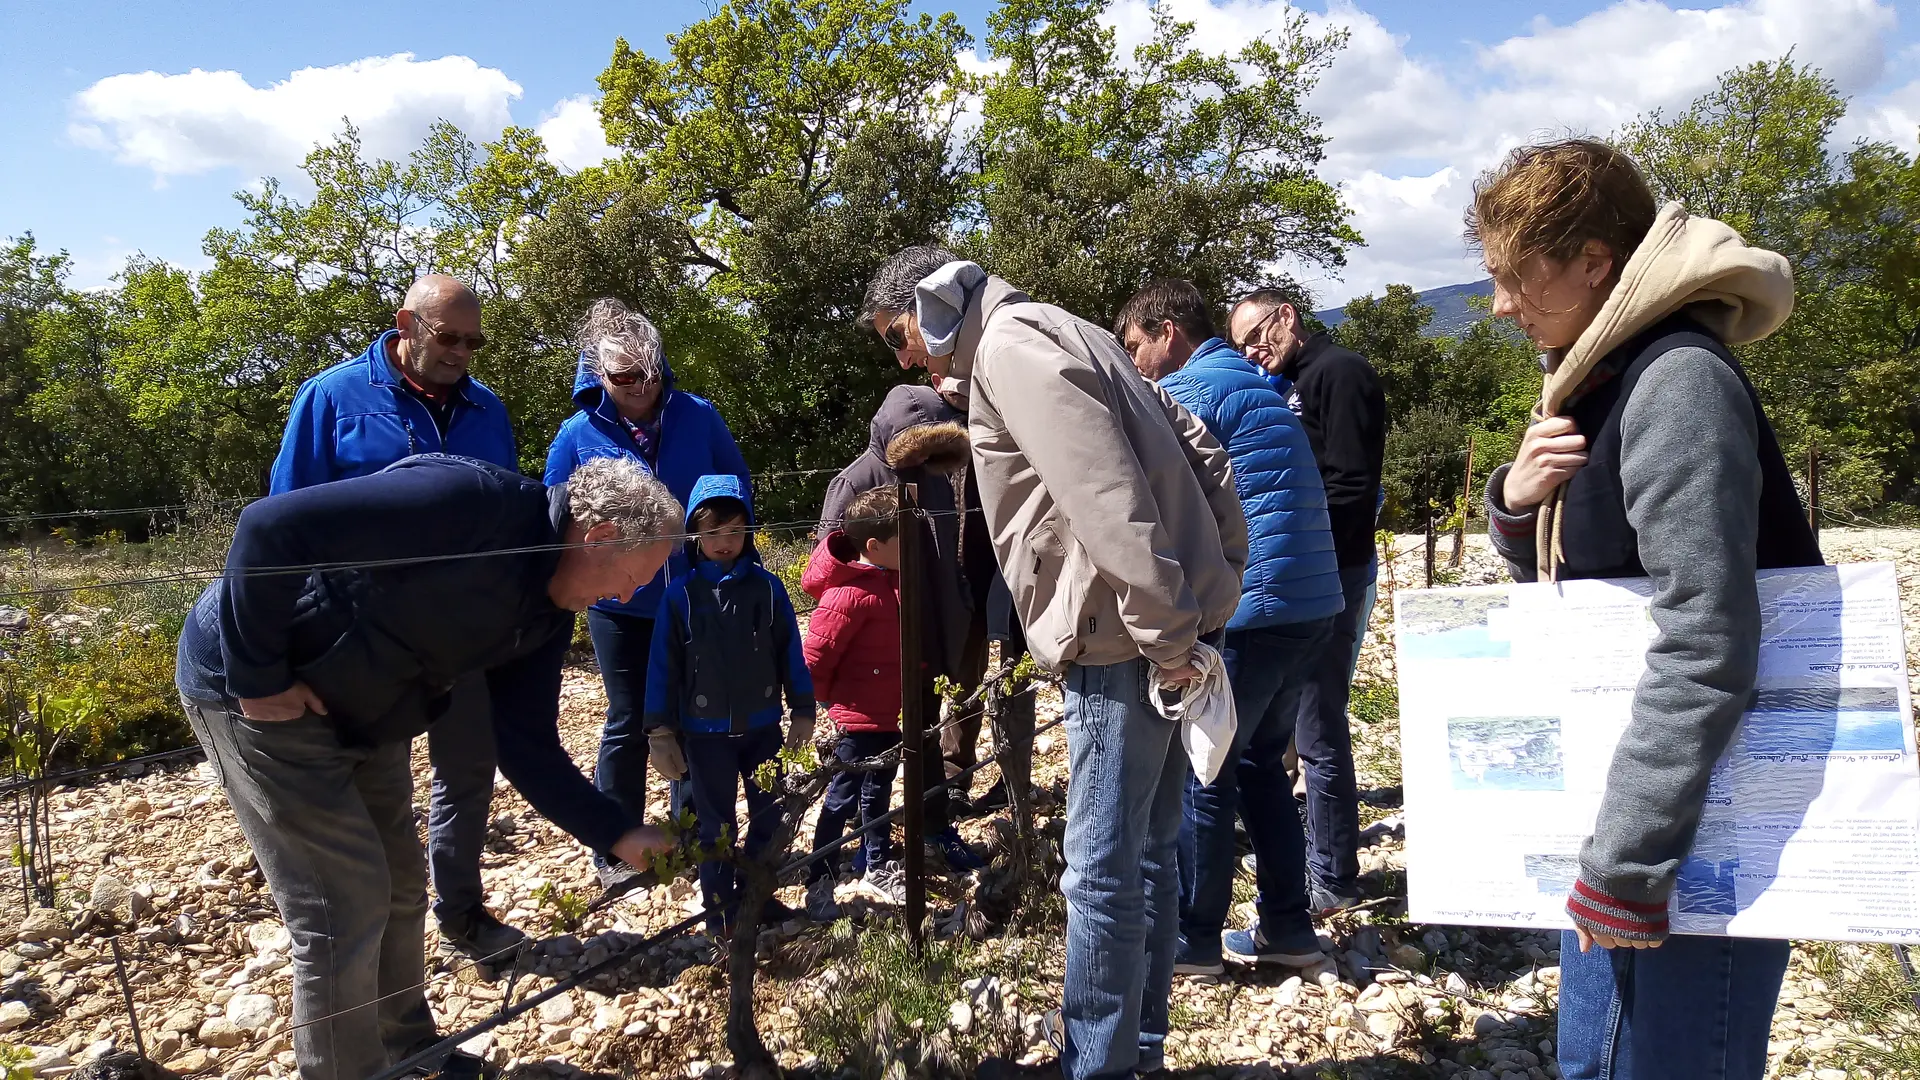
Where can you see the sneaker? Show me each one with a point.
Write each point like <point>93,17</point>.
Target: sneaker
<point>886,882</point>
<point>820,905</point>
<point>960,858</point>
<point>1249,864</point>
<point>1056,1032</point>
<point>617,879</point>
<point>1326,901</point>
<point>1252,947</point>
<point>994,799</point>
<point>479,936</point>
<point>1191,961</point>
<point>775,911</point>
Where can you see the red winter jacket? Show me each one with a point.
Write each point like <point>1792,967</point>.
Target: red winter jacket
<point>853,639</point>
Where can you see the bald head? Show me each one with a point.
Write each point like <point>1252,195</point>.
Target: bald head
<point>439,326</point>
<point>431,294</point>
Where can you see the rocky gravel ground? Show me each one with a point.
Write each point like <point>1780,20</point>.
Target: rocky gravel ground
<point>154,861</point>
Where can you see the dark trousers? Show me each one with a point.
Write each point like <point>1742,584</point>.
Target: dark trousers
<point>960,741</point>
<point>621,645</point>
<point>867,792</point>
<point>332,827</point>
<point>1325,745</point>
<point>717,767</point>
<point>1268,668</point>
<point>460,747</point>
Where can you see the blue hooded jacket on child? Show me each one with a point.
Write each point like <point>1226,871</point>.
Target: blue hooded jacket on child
<point>725,640</point>
<point>693,442</point>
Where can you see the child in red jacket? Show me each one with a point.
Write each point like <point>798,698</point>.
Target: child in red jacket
<point>853,652</point>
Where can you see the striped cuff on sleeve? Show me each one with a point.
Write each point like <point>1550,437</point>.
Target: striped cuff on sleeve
<point>1604,914</point>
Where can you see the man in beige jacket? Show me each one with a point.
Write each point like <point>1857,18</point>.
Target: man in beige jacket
<point>1114,517</point>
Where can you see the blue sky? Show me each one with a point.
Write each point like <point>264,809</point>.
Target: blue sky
<point>104,159</point>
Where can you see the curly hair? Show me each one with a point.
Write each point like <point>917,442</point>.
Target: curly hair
<point>614,335</point>
<point>1550,199</point>
<point>621,490</point>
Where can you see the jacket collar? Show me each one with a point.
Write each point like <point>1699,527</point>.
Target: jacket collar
<point>1215,352</point>
<point>1319,342</point>
<point>380,369</point>
<point>993,293</point>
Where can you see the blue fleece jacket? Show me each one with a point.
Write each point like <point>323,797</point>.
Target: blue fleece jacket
<point>694,442</point>
<point>1292,574</point>
<point>725,641</point>
<point>357,417</point>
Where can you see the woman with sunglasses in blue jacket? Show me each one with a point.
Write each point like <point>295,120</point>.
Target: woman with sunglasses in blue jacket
<point>626,405</point>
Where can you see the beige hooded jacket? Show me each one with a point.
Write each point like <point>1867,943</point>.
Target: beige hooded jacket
<point>1112,510</point>
<point>1740,293</point>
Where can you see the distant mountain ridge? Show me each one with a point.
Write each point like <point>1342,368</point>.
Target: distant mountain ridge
<point>1452,314</point>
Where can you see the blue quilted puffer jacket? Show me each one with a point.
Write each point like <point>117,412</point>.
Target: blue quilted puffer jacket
<point>1292,574</point>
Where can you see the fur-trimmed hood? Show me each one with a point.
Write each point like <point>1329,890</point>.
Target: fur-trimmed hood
<point>941,447</point>
<point>916,426</point>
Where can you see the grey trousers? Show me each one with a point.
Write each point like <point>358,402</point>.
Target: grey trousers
<point>460,746</point>
<point>332,827</point>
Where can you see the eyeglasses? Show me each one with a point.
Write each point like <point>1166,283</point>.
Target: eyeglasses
<point>893,335</point>
<point>447,339</point>
<point>631,376</point>
<point>1253,342</point>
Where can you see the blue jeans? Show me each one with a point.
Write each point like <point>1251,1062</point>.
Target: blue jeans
<point>1361,620</point>
<point>621,645</point>
<point>332,827</point>
<point>867,793</point>
<point>460,747</point>
<point>1122,881</point>
<point>1268,667</point>
<point>1696,1008</point>
<point>717,767</point>
<point>1325,745</point>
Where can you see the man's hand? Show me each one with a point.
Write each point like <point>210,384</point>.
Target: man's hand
<point>638,846</point>
<point>1180,674</point>
<point>668,759</point>
<point>1550,453</point>
<point>1608,941</point>
<point>290,704</point>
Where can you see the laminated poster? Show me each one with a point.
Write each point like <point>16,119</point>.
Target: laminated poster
<point>1512,698</point>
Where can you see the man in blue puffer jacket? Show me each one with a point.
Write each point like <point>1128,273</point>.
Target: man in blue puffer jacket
<point>627,406</point>
<point>1289,596</point>
<point>410,393</point>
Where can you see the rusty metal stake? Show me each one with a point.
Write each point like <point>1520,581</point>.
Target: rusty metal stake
<point>126,993</point>
<point>913,719</point>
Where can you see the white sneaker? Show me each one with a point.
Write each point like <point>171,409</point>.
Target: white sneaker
<point>886,882</point>
<point>820,905</point>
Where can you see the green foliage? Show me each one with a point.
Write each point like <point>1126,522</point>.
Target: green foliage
<point>13,1062</point>
<point>565,909</point>
<point>1096,175</point>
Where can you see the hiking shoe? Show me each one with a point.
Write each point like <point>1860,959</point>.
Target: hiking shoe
<point>820,905</point>
<point>479,936</point>
<point>1326,901</point>
<point>774,912</point>
<point>960,858</point>
<point>1191,961</point>
<point>994,799</point>
<point>886,882</point>
<point>1056,1032</point>
<point>1252,947</point>
<point>617,879</point>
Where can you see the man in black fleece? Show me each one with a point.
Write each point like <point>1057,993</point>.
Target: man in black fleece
<point>1338,397</point>
<point>346,614</point>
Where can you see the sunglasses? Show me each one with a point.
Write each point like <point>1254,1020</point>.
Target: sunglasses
<point>447,339</point>
<point>631,376</point>
<point>893,335</point>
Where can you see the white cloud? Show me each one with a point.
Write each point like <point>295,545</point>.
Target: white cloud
<point>1407,135</point>
<point>205,120</point>
<point>572,132</point>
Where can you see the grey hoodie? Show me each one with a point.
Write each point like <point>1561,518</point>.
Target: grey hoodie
<point>1691,476</point>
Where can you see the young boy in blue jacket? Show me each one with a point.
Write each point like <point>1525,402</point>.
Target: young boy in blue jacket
<point>726,645</point>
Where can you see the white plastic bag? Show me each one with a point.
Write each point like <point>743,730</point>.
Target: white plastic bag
<point>1204,710</point>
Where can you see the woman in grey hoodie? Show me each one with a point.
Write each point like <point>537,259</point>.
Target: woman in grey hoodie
<point>1650,456</point>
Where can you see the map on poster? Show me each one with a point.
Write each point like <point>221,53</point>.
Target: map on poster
<point>1512,698</point>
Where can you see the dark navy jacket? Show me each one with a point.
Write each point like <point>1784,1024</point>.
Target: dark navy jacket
<point>357,417</point>
<point>694,442</point>
<point>1292,574</point>
<point>381,646</point>
<point>725,642</point>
